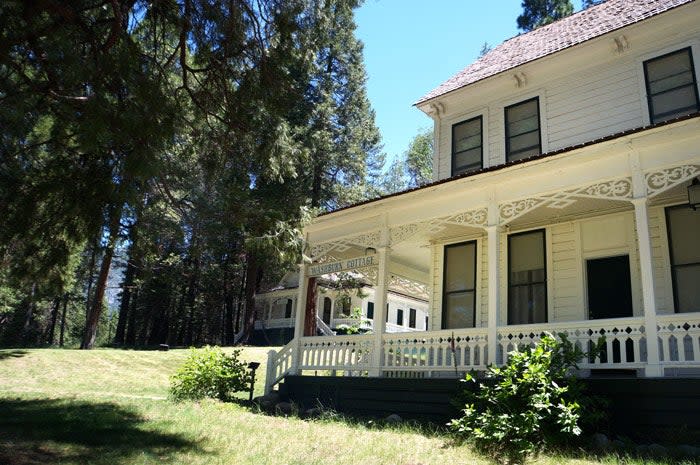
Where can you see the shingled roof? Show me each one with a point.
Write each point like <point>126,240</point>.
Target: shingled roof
<point>567,32</point>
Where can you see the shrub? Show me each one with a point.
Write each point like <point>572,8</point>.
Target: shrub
<point>209,372</point>
<point>531,402</point>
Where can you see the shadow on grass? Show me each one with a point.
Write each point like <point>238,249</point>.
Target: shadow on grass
<point>7,353</point>
<point>58,431</point>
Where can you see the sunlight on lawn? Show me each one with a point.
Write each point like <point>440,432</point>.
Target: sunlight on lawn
<point>107,407</point>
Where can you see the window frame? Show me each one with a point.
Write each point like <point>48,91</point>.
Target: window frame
<point>370,312</point>
<point>545,282</point>
<point>670,254</point>
<point>453,168</point>
<point>412,317</point>
<point>399,317</point>
<point>444,280</point>
<point>689,50</point>
<point>506,131</point>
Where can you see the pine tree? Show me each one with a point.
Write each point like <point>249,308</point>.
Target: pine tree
<point>419,159</point>
<point>537,13</point>
<point>343,138</point>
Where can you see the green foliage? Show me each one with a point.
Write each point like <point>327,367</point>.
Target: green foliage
<point>537,13</point>
<point>209,372</point>
<point>419,159</point>
<point>530,403</point>
<point>589,3</point>
<point>190,141</point>
<point>355,327</point>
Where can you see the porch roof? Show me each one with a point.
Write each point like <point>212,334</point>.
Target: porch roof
<point>571,148</point>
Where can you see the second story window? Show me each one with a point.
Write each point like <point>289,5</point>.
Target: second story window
<point>671,86</point>
<point>412,318</point>
<point>467,146</point>
<point>399,317</point>
<point>523,130</point>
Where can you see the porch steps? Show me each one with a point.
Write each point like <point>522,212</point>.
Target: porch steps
<point>636,404</point>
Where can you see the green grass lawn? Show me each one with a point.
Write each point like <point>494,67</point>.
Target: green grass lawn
<point>110,406</point>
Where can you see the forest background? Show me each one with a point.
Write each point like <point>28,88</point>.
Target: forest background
<point>169,153</point>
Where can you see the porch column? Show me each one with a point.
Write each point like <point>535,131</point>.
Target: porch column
<point>493,244</point>
<point>299,317</point>
<point>380,300</point>
<point>641,217</point>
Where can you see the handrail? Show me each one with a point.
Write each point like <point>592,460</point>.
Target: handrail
<point>279,364</point>
<point>325,329</point>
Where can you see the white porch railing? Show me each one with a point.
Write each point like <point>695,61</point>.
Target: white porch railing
<point>679,335</point>
<point>430,352</point>
<point>625,341</point>
<point>279,364</point>
<point>362,322</point>
<point>347,353</point>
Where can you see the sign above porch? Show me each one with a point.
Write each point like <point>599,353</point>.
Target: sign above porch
<point>349,264</point>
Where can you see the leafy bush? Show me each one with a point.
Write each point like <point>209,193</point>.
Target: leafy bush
<point>531,402</point>
<point>209,372</point>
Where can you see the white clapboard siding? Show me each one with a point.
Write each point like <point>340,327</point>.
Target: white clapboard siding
<point>663,288</point>
<point>595,101</point>
<point>566,274</point>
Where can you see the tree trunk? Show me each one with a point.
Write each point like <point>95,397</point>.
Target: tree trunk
<point>91,276</point>
<point>229,333</point>
<point>26,336</point>
<point>96,307</point>
<point>127,286</point>
<point>51,333</point>
<point>251,273</point>
<point>63,320</point>
<point>191,301</point>
<point>310,309</point>
<point>130,338</point>
<point>239,304</point>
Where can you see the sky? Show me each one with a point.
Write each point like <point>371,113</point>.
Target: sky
<point>412,46</point>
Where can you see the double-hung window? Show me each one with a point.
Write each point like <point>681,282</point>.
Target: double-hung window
<point>672,90</point>
<point>527,278</point>
<point>459,286</point>
<point>683,224</point>
<point>467,144</point>
<point>411,317</point>
<point>523,130</point>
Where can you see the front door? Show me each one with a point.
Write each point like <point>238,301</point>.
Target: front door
<point>609,287</point>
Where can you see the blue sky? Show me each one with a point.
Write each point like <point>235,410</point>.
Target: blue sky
<point>411,46</point>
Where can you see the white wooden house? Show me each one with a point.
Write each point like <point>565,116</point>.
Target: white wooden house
<point>565,160</point>
<point>407,309</point>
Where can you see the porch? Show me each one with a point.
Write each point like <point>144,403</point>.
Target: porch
<point>452,353</point>
<point>504,256</point>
